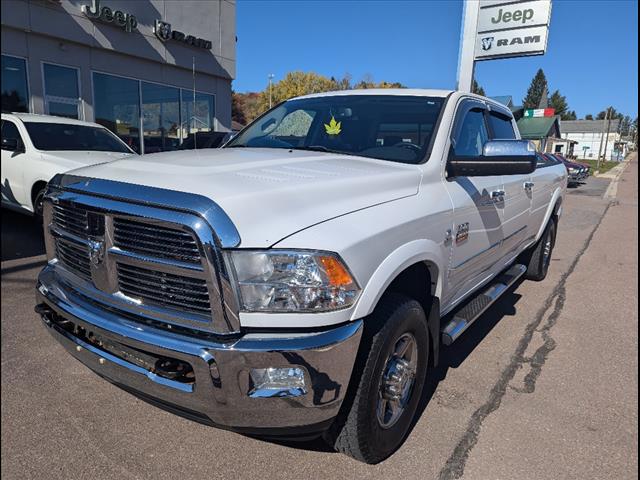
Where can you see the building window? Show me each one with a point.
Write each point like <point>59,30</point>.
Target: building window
<point>15,91</point>
<point>167,115</point>
<point>117,107</point>
<point>61,91</point>
<point>160,117</point>
<point>199,118</point>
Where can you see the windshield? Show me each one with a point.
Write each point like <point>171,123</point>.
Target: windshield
<point>64,136</point>
<point>387,127</point>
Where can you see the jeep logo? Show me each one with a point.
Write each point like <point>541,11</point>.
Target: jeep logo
<point>517,16</point>
<point>107,15</point>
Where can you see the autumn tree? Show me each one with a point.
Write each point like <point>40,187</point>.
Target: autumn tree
<point>237,109</point>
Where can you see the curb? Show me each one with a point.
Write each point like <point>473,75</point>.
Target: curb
<point>612,189</point>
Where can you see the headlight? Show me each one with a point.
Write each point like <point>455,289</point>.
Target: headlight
<point>292,281</point>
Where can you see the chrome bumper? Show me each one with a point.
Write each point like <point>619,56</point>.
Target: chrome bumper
<point>219,393</point>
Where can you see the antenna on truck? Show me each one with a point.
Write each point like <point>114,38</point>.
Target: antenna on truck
<point>193,107</point>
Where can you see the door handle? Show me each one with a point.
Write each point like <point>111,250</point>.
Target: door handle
<point>528,186</point>
<point>497,196</point>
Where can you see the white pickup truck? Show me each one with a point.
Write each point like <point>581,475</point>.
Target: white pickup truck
<point>301,280</point>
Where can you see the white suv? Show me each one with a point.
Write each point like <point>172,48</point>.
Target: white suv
<point>36,147</point>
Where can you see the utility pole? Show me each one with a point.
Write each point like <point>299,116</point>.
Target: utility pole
<point>606,117</point>
<point>606,138</point>
<point>271,75</point>
<point>466,59</point>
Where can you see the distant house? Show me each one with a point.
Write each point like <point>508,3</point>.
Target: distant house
<point>544,132</point>
<point>590,138</point>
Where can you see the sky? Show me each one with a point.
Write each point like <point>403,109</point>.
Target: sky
<point>592,54</point>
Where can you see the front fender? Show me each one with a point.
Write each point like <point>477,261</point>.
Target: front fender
<point>395,263</point>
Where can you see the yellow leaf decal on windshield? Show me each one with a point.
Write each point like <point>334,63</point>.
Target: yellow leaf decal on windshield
<point>333,128</point>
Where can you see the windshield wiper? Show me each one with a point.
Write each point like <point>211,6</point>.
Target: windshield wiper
<point>321,148</point>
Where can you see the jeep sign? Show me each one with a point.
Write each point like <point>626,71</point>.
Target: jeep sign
<point>494,16</point>
<point>512,29</point>
<point>511,43</point>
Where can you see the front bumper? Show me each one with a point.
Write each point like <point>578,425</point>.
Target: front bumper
<point>219,390</point>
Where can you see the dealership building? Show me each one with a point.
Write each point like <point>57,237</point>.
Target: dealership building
<point>154,72</point>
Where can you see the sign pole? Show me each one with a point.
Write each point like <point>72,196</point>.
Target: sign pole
<point>466,60</point>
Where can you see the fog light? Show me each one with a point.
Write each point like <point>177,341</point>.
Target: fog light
<point>277,382</point>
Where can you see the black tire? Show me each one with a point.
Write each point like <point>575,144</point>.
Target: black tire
<point>37,204</point>
<point>539,257</point>
<point>358,432</point>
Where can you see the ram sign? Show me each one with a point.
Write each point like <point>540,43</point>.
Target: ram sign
<point>512,29</point>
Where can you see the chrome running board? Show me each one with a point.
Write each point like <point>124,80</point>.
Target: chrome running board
<point>468,314</point>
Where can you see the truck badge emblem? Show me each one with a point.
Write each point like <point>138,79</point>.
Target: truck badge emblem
<point>486,43</point>
<point>96,252</point>
<point>463,232</point>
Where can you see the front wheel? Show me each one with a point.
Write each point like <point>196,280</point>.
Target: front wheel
<point>38,200</point>
<point>392,364</point>
<point>539,258</point>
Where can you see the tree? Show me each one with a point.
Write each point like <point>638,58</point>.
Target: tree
<point>624,126</point>
<point>559,103</point>
<point>477,89</point>
<point>536,90</point>
<point>570,115</point>
<point>237,109</point>
<point>295,84</point>
<point>588,117</point>
<point>614,114</point>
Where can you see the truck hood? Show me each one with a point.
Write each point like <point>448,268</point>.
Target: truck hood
<point>269,194</point>
<point>76,159</point>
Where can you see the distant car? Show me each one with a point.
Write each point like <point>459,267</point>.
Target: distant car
<point>36,147</point>
<point>205,140</point>
<point>583,164</point>
<point>576,172</point>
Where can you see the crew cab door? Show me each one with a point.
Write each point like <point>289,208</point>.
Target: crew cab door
<point>13,190</point>
<point>516,204</point>
<point>476,233</point>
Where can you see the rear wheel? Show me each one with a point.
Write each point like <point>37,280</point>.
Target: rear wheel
<point>392,365</point>
<point>539,258</point>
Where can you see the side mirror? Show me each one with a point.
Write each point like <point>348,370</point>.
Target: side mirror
<point>499,157</point>
<point>11,144</point>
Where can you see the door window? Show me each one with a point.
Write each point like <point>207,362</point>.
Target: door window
<point>62,94</point>
<point>9,130</point>
<point>473,135</point>
<point>501,127</point>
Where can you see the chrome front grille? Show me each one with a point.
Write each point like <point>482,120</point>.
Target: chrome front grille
<point>75,257</point>
<point>164,289</point>
<point>71,218</point>
<point>150,253</point>
<point>156,241</point>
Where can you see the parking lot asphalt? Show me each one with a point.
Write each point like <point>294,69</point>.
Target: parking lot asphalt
<point>543,385</point>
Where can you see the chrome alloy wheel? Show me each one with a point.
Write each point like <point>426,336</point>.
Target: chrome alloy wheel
<point>396,382</point>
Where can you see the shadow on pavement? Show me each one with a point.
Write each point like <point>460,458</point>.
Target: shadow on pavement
<point>21,236</point>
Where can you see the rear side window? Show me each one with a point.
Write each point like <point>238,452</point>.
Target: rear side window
<point>501,126</point>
